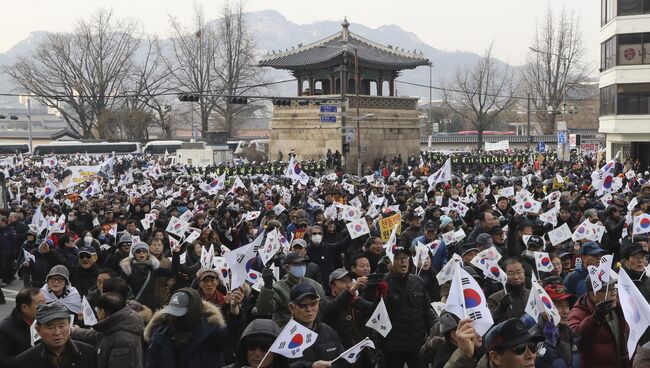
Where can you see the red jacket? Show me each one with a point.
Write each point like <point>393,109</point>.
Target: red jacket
<point>598,347</point>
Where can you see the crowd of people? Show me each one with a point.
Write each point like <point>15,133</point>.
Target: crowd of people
<point>137,263</point>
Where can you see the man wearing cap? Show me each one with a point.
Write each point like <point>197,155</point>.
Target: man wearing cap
<point>510,345</point>
<point>439,260</point>
<point>511,302</point>
<point>601,326</point>
<point>273,299</point>
<point>407,303</point>
<point>304,307</point>
<point>188,333</point>
<point>14,329</point>
<point>345,311</point>
<point>122,251</point>
<point>84,275</point>
<point>313,270</point>
<point>634,263</point>
<point>590,254</point>
<point>56,348</point>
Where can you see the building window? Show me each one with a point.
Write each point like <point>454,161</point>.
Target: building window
<point>607,8</point>
<point>608,100</point>
<point>630,7</point>
<point>633,99</point>
<point>608,54</point>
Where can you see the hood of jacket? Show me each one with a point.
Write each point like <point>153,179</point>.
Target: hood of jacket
<point>126,265</point>
<point>126,319</point>
<point>209,311</point>
<point>258,327</point>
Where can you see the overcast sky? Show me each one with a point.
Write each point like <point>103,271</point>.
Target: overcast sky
<point>467,25</point>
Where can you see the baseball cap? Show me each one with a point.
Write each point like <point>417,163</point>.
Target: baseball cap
<point>338,274</point>
<point>448,322</point>
<point>294,257</point>
<point>592,249</point>
<point>509,333</point>
<point>203,272</point>
<point>469,247</point>
<point>88,249</point>
<point>484,240</point>
<point>299,242</point>
<point>302,290</point>
<point>535,241</point>
<point>178,304</point>
<point>49,312</point>
<point>430,226</point>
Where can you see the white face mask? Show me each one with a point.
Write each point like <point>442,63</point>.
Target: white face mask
<point>88,240</point>
<point>316,239</point>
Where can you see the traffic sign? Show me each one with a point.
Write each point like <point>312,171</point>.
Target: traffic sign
<point>541,147</point>
<point>561,137</point>
<point>328,108</point>
<point>328,119</point>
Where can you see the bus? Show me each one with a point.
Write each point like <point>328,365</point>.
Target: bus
<point>94,148</point>
<point>12,148</point>
<point>160,147</point>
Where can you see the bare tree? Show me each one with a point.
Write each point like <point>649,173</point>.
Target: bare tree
<point>191,60</point>
<point>236,65</point>
<point>80,73</point>
<point>481,92</point>
<point>555,66</point>
<point>125,124</point>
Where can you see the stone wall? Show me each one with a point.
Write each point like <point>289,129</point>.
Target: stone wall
<point>392,130</point>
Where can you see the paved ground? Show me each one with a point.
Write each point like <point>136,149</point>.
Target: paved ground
<point>10,294</point>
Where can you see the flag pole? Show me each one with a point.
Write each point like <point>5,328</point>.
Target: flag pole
<point>606,289</point>
<point>265,355</point>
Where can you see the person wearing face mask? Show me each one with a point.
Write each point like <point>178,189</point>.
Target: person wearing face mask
<point>273,299</point>
<point>510,304</point>
<point>326,255</point>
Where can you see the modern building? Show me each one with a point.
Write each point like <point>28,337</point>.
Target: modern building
<point>625,78</point>
<point>326,112</point>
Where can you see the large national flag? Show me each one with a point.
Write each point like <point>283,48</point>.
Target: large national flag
<point>466,300</point>
<point>294,172</point>
<point>379,320</point>
<point>635,309</point>
<point>293,340</point>
<point>441,176</point>
<point>49,190</point>
<point>215,185</point>
<point>641,224</point>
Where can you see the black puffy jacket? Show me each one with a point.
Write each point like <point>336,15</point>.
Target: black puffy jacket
<point>347,315</point>
<point>409,311</point>
<point>327,347</point>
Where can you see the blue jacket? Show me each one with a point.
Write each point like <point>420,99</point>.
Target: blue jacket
<point>575,282</point>
<point>441,257</point>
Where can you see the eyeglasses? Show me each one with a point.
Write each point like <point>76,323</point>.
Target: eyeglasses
<point>517,273</point>
<point>140,251</point>
<point>56,279</point>
<point>521,349</point>
<point>85,256</point>
<point>308,305</point>
<point>316,234</point>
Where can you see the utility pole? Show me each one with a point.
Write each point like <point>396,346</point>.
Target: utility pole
<point>529,138</point>
<point>356,88</point>
<point>29,122</point>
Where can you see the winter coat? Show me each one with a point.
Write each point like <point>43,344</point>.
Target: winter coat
<point>14,338</point>
<point>517,308</point>
<point>40,267</point>
<point>113,260</point>
<point>162,291</point>
<point>575,281</point>
<point>258,327</point>
<point>82,355</point>
<point>84,278</point>
<point>135,274</point>
<point>205,348</point>
<point>407,303</point>
<point>8,241</point>
<point>118,339</point>
<point>69,256</point>
<point>602,343</point>
<point>275,301</point>
<point>346,314</point>
<point>327,347</point>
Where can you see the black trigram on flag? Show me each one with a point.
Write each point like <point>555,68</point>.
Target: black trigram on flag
<point>474,316</point>
<point>464,281</point>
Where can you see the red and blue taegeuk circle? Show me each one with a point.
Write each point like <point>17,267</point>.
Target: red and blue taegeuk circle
<point>472,298</point>
<point>295,341</point>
